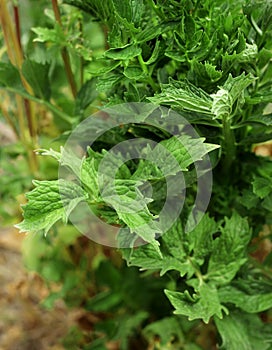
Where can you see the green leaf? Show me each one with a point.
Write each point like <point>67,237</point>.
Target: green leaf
<point>86,95</point>
<point>107,82</point>
<point>236,86</point>
<point>265,119</point>
<point>102,11</point>
<point>54,35</point>
<point>248,199</point>
<point>185,149</point>
<point>203,74</point>
<point>184,96</point>
<point>65,158</point>
<point>132,10</point>
<point>126,53</point>
<point>127,326</point>
<point>201,237</point>
<point>103,301</point>
<point>261,97</point>
<point>10,81</point>
<point>9,76</point>
<point>167,329</point>
<point>267,203</point>
<point>36,75</point>
<point>222,104</point>
<point>262,186</point>
<point>155,53</point>
<point>202,305</point>
<point>133,72</point>
<point>101,66</point>
<point>228,250</point>
<point>89,175</point>
<point>244,331</point>
<point>249,303</point>
<point>49,202</point>
<point>149,33</point>
<point>172,254</point>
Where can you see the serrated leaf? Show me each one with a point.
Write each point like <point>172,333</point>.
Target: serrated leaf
<point>249,303</point>
<point>245,331</point>
<point>202,305</point>
<point>132,10</point>
<point>126,53</point>
<point>54,35</point>
<point>185,149</point>
<point>172,253</point>
<point>222,103</point>
<point>185,96</point>
<point>49,202</point>
<point>65,157</point>
<point>262,186</point>
<point>133,72</point>
<point>203,74</point>
<point>108,81</point>
<point>200,238</point>
<point>228,251</point>
<point>236,86</point>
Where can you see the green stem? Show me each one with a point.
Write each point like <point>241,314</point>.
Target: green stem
<point>51,107</point>
<point>81,58</point>
<point>196,270</point>
<point>145,70</point>
<point>228,144</point>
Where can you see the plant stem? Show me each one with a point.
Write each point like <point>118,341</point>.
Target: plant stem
<point>228,144</point>
<point>145,70</point>
<point>49,105</point>
<point>81,58</point>
<point>64,53</point>
<point>25,107</point>
<point>17,25</point>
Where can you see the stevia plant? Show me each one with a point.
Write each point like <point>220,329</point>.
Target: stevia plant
<point>211,62</point>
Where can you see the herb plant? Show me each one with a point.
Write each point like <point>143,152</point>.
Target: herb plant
<point>211,62</point>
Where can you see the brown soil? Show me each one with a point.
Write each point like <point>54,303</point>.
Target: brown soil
<point>24,323</point>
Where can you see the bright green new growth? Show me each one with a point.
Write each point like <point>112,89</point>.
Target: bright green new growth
<point>211,61</point>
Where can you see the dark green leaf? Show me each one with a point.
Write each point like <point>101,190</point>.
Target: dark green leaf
<point>228,251</point>
<point>202,305</point>
<point>244,331</point>
<point>249,303</point>
<point>36,75</point>
<point>126,53</point>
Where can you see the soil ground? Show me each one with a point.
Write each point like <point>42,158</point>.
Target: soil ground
<point>24,323</point>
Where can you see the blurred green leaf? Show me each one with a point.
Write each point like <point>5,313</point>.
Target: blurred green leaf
<point>37,76</point>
